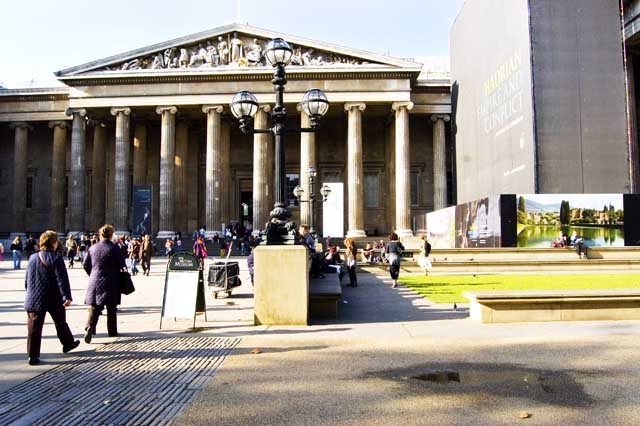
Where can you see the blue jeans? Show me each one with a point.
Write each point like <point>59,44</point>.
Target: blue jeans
<point>134,266</point>
<point>17,258</point>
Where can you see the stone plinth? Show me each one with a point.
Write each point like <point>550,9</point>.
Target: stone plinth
<point>281,285</point>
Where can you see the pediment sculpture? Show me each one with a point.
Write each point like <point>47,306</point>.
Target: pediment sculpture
<point>227,51</point>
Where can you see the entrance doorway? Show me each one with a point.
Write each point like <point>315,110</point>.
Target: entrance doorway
<point>246,208</point>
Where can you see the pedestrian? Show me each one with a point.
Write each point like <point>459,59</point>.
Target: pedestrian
<point>71,250</point>
<point>1,251</point>
<point>134,255</point>
<point>16,250</point>
<point>168,247</point>
<point>83,247</point>
<point>103,264</point>
<point>200,251</point>
<point>146,250</point>
<point>332,260</point>
<point>30,247</point>
<point>48,290</point>
<point>425,251</point>
<point>393,251</point>
<point>351,254</point>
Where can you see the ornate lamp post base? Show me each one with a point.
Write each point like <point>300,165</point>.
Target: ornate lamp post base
<point>280,229</point>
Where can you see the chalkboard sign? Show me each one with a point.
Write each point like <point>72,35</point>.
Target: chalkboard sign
<point>183,288</point>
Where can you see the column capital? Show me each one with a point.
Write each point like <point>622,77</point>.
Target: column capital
<point>60,123</point>
<point>74,111</point>
<point>209,108</point>
<point>396,106</point>
<point>444,117</point>
<point>170,109</point>
<point>118,110</point>
<point>360,105</point>
<point>21,125</point>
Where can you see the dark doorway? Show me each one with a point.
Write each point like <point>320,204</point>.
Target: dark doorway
<point>246,207</point>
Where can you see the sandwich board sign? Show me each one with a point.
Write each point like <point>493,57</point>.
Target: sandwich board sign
<point>183,288</point>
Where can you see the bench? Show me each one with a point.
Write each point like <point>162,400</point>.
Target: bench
<point>324,296</point>
<point>553,305</point>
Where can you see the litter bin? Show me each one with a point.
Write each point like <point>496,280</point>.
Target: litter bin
<point>223,277</point>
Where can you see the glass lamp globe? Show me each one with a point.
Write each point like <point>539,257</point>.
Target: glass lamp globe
<point>278,52</point>
<point>297,192</point>
<point>315,103</point>
<point>244,105</point>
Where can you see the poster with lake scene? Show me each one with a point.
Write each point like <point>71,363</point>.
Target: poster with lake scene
<point>597,218</point>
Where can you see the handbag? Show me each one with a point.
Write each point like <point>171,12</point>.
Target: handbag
<point>126,283</point>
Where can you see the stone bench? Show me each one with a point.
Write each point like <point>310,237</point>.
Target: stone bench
<point>324,296</point>
<point>553,305</point>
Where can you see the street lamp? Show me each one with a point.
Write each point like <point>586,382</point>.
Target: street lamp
<point>244,105</point>
<point>298,191</point>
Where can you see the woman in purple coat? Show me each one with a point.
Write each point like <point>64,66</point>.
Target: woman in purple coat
<point>103,263</point>
<point>48,290</point>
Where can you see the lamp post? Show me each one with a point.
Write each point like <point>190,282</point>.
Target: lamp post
<point>298,191</point>
<point>280,229</point>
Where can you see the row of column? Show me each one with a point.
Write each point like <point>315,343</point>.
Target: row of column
<point>173,152</point>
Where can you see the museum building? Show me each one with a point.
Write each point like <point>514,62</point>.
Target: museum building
<point>159,116</point>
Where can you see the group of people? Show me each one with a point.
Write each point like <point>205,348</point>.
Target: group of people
<point>563,241</point>
<point>48,289</point>
<point>18,248</point>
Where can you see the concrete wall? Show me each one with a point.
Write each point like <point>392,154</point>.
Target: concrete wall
<point>579,90</point>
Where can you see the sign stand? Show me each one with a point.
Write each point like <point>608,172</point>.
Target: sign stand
<point>183,288</point>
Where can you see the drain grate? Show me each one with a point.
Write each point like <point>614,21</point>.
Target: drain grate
<point>135,381</point>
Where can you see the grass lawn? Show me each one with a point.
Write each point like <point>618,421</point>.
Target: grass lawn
<point>448,289</point>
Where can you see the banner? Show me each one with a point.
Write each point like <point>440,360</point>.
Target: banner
<point>142,208</point>
<point>333,212</point>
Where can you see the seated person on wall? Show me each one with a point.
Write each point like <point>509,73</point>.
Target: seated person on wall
<point>578,242</point>
<point>315,266</point>
<point>560,241</point>
<point>333,261</point>
<point>367,253</point>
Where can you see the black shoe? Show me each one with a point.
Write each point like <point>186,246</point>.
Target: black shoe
<point>71,347</point>
<point>113,335</point>
<point>34,360</point>
<point>88,335</point>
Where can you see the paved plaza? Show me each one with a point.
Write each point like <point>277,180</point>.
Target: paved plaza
<point>392,358</point>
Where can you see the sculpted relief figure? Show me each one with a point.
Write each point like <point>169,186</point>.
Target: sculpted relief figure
<point>236,49</point>
<point>184,58</point>
<point>198,57</point>
<point>254,52</point>
<point>132,65</point>
<point>212,58</point>
<point>223,51</point>
<point>157,62</point>
<point>170,58</point>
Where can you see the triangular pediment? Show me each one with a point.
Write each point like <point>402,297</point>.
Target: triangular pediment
<point>229,48</point>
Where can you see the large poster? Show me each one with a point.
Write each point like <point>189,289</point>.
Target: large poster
<point>492,99</point>
<point>543,218</point>
<point>142,208</point>
<point>333,212</point>
<point>441,228</point>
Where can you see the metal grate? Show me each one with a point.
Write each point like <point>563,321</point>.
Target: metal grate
<point>135,381</point>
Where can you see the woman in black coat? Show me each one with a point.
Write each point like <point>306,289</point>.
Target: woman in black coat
<point>103,263</point>
<point>48,290</point>
<point>393,253</point>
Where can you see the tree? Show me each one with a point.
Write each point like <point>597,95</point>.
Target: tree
<point>565,212</point>
<point>522,207</point>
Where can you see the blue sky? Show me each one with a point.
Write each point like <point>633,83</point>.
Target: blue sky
<point>42,36</point>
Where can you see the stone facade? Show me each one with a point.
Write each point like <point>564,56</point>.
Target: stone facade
<point>171,128</point>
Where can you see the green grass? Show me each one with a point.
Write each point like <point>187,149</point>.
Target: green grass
<point>448,289</point>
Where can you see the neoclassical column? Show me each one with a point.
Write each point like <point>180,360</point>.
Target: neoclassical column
<point>439,162</point>
<point>121,190</point>
<point>20,150</point>
<point>355,173</point>
<point>140,154</point>
<point>213,196</point>
<point>182,141</point>
<point>307,159</point>
<point>58,166</point>
<point>261,184</point>
<point>77,211</point>
<point>98,181</point>
<point>167,170</point>
<point>225,173</point>
<point>403,169</point>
